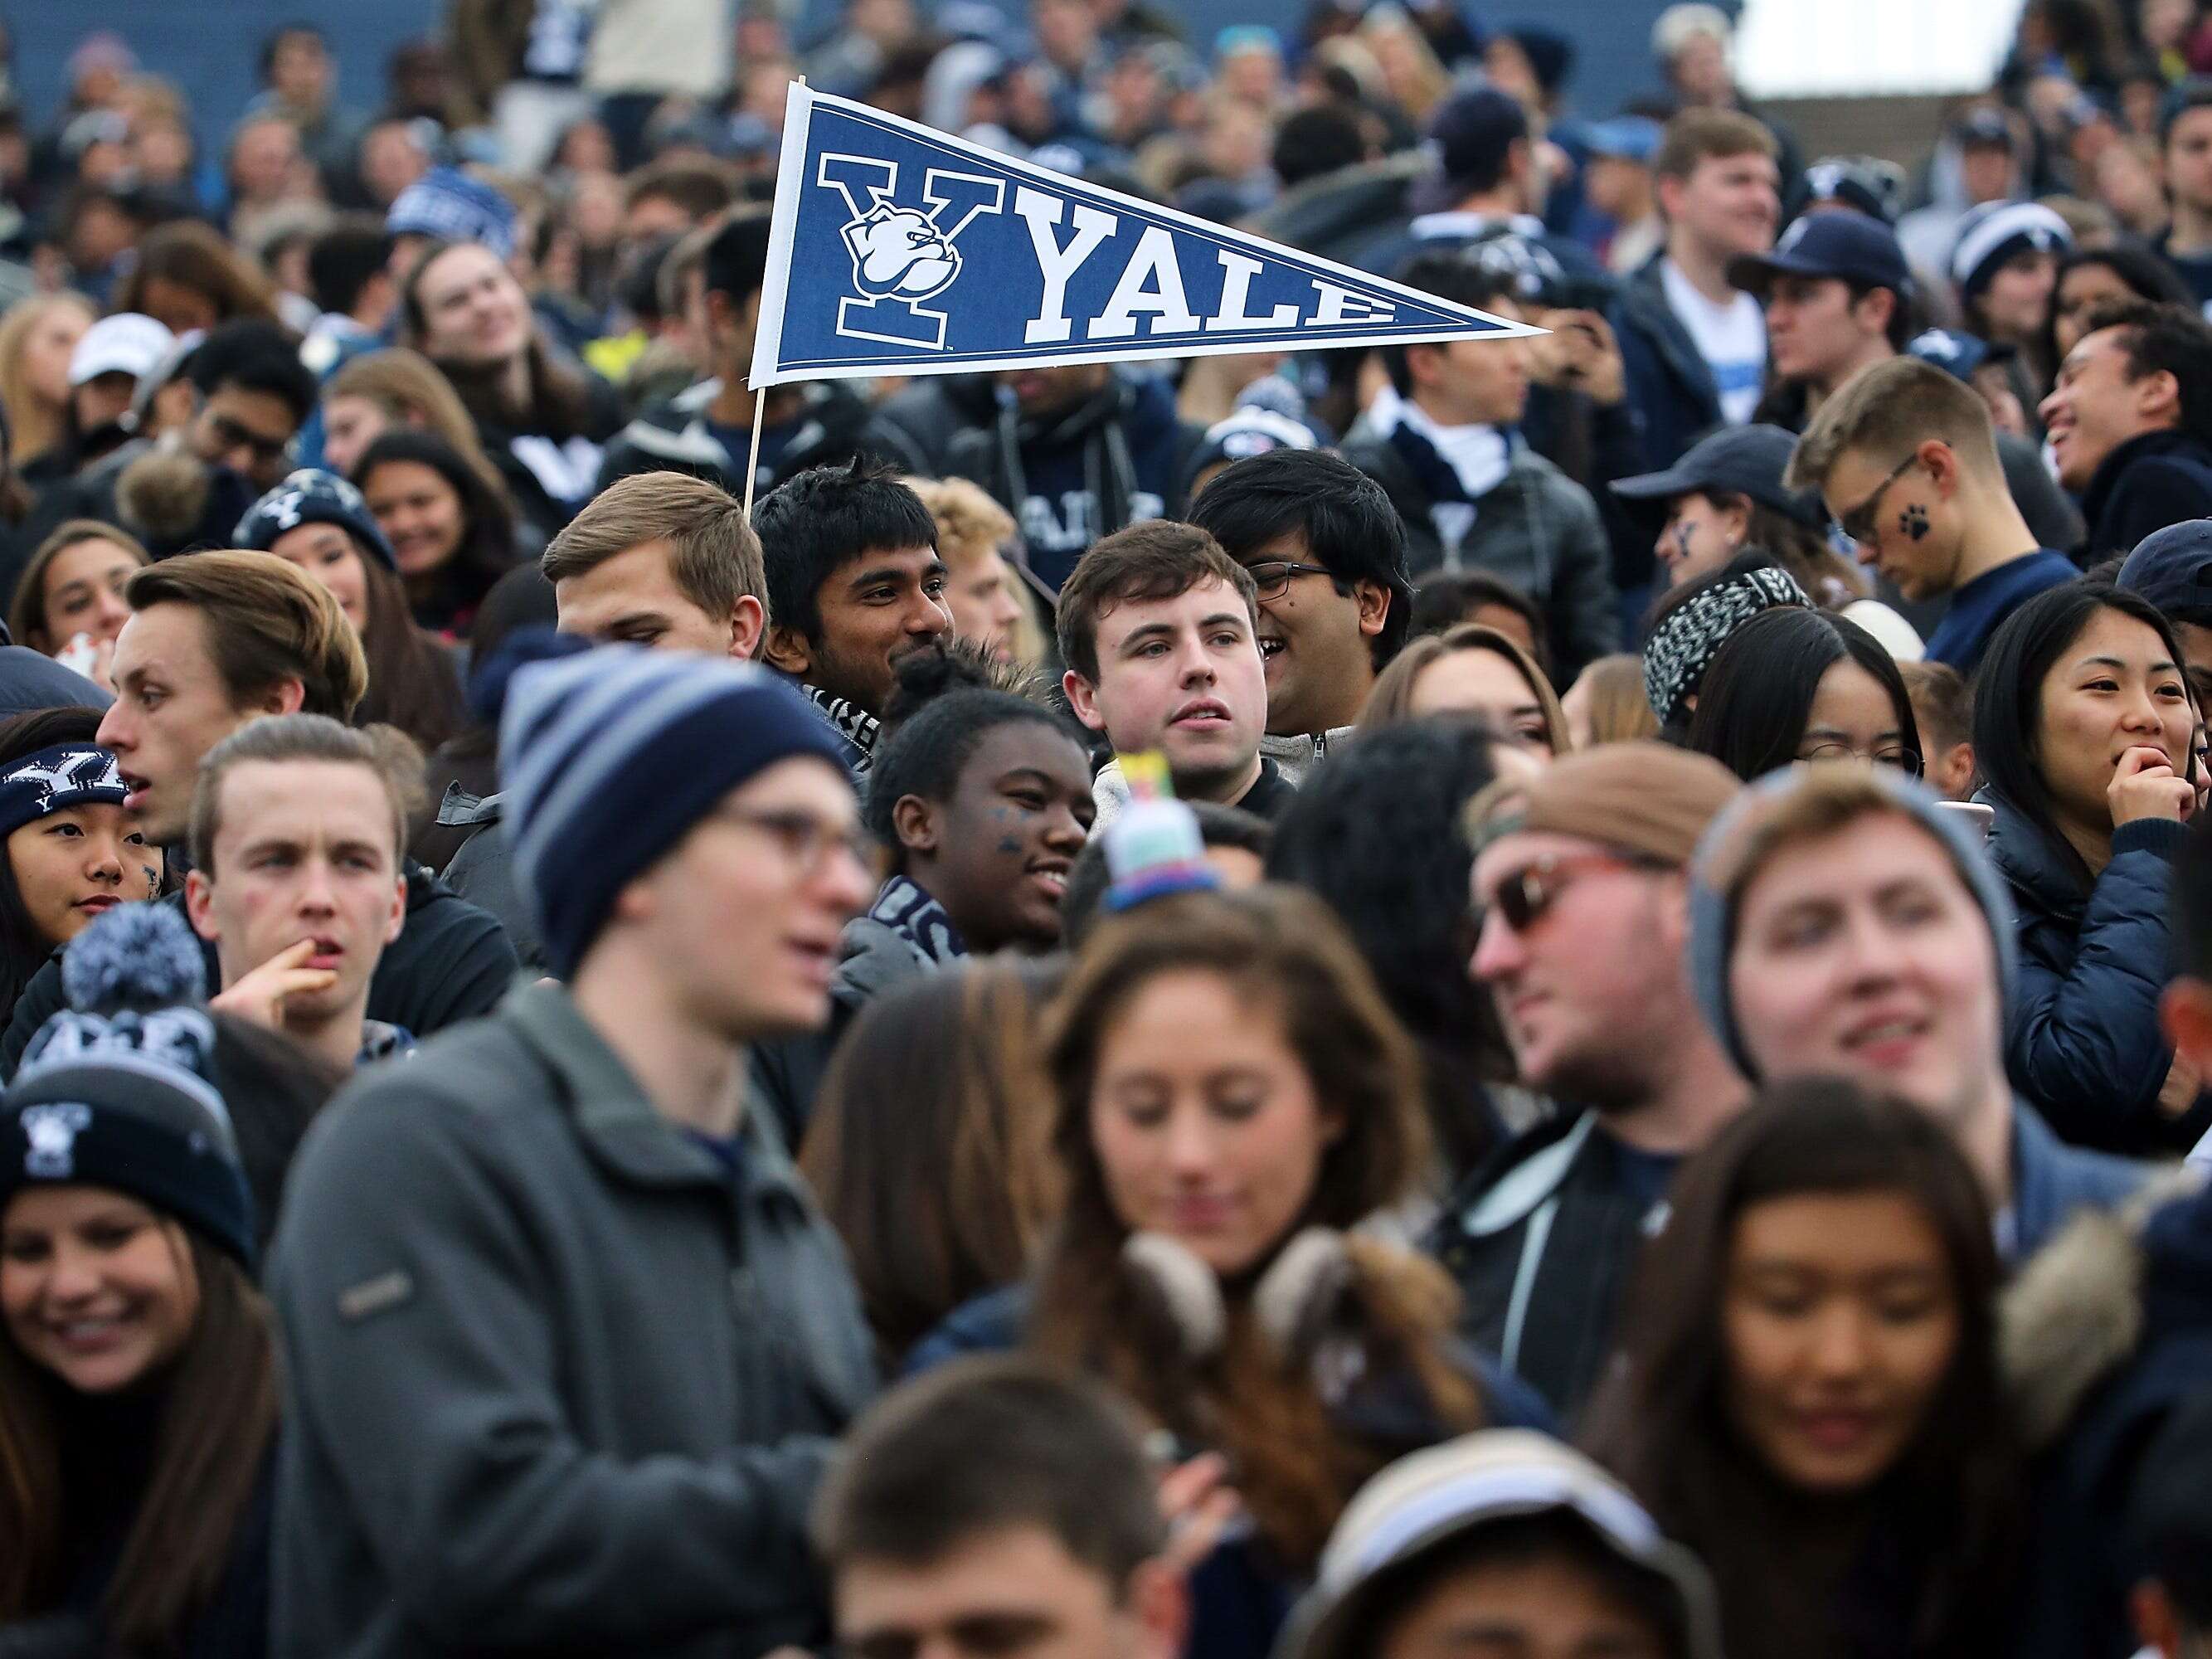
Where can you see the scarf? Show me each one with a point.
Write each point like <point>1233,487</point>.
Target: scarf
<point>855,724</point>
<point>1455,466</point>
<point>919,920</point>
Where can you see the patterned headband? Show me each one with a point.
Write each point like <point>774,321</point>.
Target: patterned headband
<point>1689,636</point>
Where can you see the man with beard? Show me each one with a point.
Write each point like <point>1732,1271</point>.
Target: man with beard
<point>854,587</point>
<point>1581,892</point>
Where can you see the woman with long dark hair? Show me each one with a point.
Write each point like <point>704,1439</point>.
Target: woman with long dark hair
<point>319,522</point>
<point>138,1363</point>
<point>452,538</point>
<point>1808,1392</point>
<point>2084,734</point>
<point>187,277</point>
<point>1231,1100</point>
<point>1795,684</point>
<point>71,854</point>
<point>542,416</point>
<point>2091,278</point>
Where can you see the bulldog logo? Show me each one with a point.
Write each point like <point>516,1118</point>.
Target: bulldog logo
<point>899,253</point>
<point>902,253</point>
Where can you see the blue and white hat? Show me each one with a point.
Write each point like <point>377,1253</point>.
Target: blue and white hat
<point>608,756</point>
<point>49,780</point>
<point>1994,232</point>
<point>447,204</point>
<point>311,495</point>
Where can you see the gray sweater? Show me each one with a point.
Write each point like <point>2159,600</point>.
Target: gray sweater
<point>555,1381</point>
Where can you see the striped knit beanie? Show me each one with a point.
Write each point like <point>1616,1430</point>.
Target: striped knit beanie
<point>608,756</point>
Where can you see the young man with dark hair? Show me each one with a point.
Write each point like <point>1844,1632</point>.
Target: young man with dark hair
<point>664,560</point>
<point>1005,1499</point>
<point>2129,423</point>
<point>577,1391</point>
<point>1693,344</point>
<point>1447,450</point>
<point>297,879</point>
<point>216,641</point>
<point>349,279</point>
<point>1501,1543</point>
<point>855,586</point>
<point>1156,627</point>
<point>2184,138</point>
<point>1327,554</point>
<point>1906,459</point>
<point>707,430</point>
<point>1080,451</point>
<point>1837,294</point>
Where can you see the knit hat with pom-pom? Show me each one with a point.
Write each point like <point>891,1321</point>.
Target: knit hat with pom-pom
<point>113,1090</point>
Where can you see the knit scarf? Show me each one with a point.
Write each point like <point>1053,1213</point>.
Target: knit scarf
<point>1456,466</point>
<point>856,725</point>
<point>919,920</point>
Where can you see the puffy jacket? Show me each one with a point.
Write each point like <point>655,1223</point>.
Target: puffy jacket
<point>1668,379</point>
<point>452,962</point>
<point>576,1394</point>
<point>1537,530</point>
<point>2082,1035</point>
<point>2106,1334</point>
<point>834,425</point>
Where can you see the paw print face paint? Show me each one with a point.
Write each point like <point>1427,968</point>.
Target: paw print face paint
<point>1913,521</point>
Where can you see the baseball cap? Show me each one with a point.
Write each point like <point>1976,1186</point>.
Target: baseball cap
<point>1865,184</point>
<point>1646,798</point>
<point>1738,460</point>
<point>1469,134</point>
<point>129,342</point>
<point>1957,353</point>
<point>1982,126</point>
<point>1624,138</point>
<point>1848,246</point>
<point>1435,1497</point>
<point>2171,569</point>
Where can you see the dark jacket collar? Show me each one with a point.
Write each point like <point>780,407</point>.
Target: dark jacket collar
<point>2051,1180</point>
<point>2167,440</point>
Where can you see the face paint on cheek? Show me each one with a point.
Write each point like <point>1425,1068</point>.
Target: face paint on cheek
<point>1682,540</point>
<point>1007,844</point>
<point>1913,521</point>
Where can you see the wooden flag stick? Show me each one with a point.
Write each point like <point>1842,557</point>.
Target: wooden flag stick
<point>752,457</point>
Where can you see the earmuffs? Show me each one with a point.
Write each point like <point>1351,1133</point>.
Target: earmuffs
<point>1295,1301</point>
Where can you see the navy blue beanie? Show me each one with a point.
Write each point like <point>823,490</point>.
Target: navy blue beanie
<point>608,756</point>
<point>311,495</point>
<point>113,1090</point>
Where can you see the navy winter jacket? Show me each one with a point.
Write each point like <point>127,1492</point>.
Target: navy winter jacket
<point>1668,379</point>
<point>2082,1036</point>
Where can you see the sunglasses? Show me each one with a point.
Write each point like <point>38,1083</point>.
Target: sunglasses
<point>1523,897</point>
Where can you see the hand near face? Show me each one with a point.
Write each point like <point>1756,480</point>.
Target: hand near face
<point>2146,786</point>
<point>259,997</point>
<point>1198,1505</point>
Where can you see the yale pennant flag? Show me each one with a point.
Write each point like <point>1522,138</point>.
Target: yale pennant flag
<point>898,250</point>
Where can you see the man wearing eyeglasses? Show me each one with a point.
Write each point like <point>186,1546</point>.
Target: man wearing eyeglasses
<point>573,1392</point>
<point>1581,904</point>
<point>1906,459</point>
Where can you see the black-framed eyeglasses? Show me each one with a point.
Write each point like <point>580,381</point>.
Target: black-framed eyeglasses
<point>1272,577</point>
<point>1859,523</point>
<point>806,841</point>
<point>230,436</point>
<point>1902,758</point>
<point>1523,897</point>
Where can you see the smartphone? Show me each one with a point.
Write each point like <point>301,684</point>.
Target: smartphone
<point>1978,817</point>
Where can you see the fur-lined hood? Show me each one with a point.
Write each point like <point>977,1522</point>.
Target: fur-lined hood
<point>2076,1312</point>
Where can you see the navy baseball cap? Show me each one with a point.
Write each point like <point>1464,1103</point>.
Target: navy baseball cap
<point>1737,460</point>
<point>1957,353</point>
<point>1847,245</point>
<point>1469,134</point>
<point>2171,569</point>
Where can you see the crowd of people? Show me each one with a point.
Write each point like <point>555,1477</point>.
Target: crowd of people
<point>1547,995</point>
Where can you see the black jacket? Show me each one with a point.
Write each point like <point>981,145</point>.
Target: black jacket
<point>2082,1040</point>
<point>1669,382</point>
<point>450,963</point>
<point>917,423</point>
<point>2153,480</point>
<point>1541,1239</point>
<point>834,425</point>
<point>1537,530</point>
